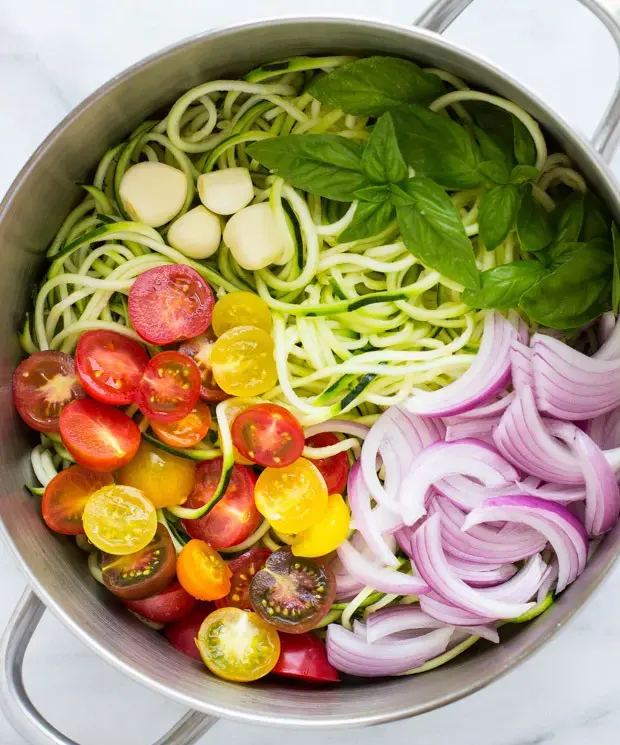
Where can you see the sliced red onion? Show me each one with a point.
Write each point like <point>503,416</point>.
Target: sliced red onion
<point>352,654</point>
<point>609,337</point>
<point>481,575</point>
<point>524,585</point>
<point>521,365</point>
<point>388,621</point>
<point>377,577</point>
<point>605,430</point>
<point>523,330</point>
<point>602,494</point>
<point>488,411</point>
<point>561,528</point>
<point>478,429</point>
<point>549,580</point>
<point>436,607</point>
<point>359,502</point>
<point>348,586</point>
<point>468,494</point>
<point>522,439</point>
<point>487,376</point>
<point>431,563</point>
<point>553,492</point>
<point>347,427</point>
<point>465,457</point>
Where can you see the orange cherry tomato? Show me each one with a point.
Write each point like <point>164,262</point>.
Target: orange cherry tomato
<point>65,496</point>
<point>188,431</point>
<point>202,572</point>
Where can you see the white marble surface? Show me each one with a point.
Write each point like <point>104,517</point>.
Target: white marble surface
<point>52,55</point>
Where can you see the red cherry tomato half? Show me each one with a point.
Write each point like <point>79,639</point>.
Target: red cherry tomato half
<point>43,385</point>
<point>110,366</point>
<point>243,568</point>
<point>199,349</point>
<point>170,387</point>
<point>98,436</point>
<point>65,496</point>
<point>304,656</point>
<point>182,634</point>
<point>170,303</point>
<point>168,606</point>
<point>269,435</point>
<point>235,517</point>
<point>335,469</point>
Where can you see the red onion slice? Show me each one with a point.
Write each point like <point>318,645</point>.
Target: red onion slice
<point>487,376</point>
<point>481,575</point>
<point>494,409</point>
<point>602,494</point>
<point>467,494</point>
<point>436,607</point>
<point>521,365</point>
<point>478,429</point>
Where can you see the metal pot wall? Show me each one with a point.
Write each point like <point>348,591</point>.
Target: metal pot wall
<point>59,581</point>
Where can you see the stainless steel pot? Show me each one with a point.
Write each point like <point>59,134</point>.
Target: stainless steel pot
<point>30,214</point>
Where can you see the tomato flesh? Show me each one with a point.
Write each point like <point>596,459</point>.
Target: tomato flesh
<point>187,432</point>
<point>269,435</point>
<point>170,387</point>
<point>170,303</point>
<point>335,469</point>
<point>235,517</point>
<point>243,569</point>
<point>243,361</point>
<point>66,495</point>
<point>110,366</point>
<point>167,606</point>
<point>241,309</point>
<point>303,656</point>
<point>144,573</point>
<point>182,634</point>
<point>202,572</point>
<point>328,533</point>
<point>199,349</point>
<point>43,384</point>
<point>98,436</point>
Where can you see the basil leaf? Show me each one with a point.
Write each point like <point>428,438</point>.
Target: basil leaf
<point>374,193</point>
<point>522,174</point>
<point>372,86</point>
<point>596,219</point>
<point>501,288</point>
<point>525,149</point>
<point>534,228</point>
<point>576,292</point>
<point>498,213</point>
<point>496,172</point>
<point>381,159</point>
<point>370,218</point>
<point>437,147</point>
<point>400,196</point>
<point>326,165</point>
<point>615,288</point>
<point>569,219</point>
<point>432,230</point>
<point>495,149</point>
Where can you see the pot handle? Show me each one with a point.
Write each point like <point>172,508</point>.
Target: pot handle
<point>440,14</point>
<point>21,712</point>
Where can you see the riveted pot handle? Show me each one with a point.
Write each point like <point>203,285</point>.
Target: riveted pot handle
<point>440,14</point>
<point>21,712</point>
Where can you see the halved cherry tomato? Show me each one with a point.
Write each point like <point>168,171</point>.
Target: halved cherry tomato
<point>168,606</point>
<point>110,366</point>
<point>163,478</point>
<point>98,436</point>
<point>292,498</point>
<point>334,469</point>
<point>241,309</point>
<point>234,407</point>
<point>170,387</point>
<point>292,593</point>
<point>235,517</point>
<point>243,361</point>
<point>269,435</point>
<point>142,574</point>
<point>243,569</point>
<point>43,385</point>
<point>304,656</point>
<point>182,634</point>
<point>238,645</point>
<point>202,572</point>
<point>170,303</point>
<point>188,431</point>
<point>65,496</point>
<point>119,520</point>
<point>199,349</point>
<point>328,533</point>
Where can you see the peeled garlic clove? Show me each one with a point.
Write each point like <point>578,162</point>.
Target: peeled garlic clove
<point>227,191</point>
<point>197,233</point>
<point>153,193</point>
<point>254,237</point>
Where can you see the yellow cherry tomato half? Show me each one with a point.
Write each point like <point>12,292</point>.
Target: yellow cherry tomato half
<point>326,534</point>
<point>243,362</point>
<point>119,520</point>
<point>240,309</point>
<point>238,645</point>
<point>165,479</point>
<point>202,572</point>
<point>292,498</point>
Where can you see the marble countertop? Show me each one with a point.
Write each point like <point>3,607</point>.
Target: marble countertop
<point>52,55</point>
